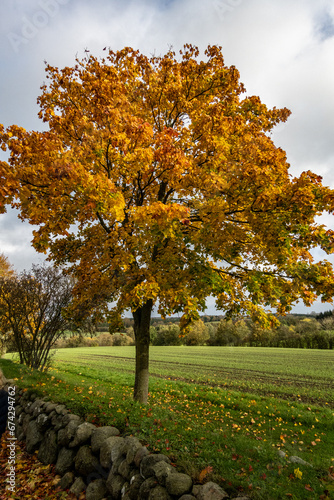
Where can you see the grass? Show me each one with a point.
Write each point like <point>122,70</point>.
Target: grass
<point>220,413</point>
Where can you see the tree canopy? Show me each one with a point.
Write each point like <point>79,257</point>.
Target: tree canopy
<point>157,182</point>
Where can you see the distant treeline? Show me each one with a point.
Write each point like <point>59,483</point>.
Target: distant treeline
<point>294,331</point>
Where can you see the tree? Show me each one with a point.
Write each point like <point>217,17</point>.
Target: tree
<point>230,333</point>
<point>6,269</point>
<point>157,183</point>
<point>31,309</point>
<point>198,334</point>
<point>165,335</point>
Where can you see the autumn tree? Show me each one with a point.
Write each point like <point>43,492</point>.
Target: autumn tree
<point>6,268</point>
<point>6,271</point>
<point>198,334</point>
<point>158,183</point>
<point>230,333</point>
<point>32,307</point>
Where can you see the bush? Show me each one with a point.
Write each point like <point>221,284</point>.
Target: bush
<point>105,339</point>
<point>120,339</point>
<point>75,341</point>
<point>89,342</point>
<point>32,308</point>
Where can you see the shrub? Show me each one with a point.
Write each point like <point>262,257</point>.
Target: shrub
<point>105,339</point>
<point>75,341</point>
<point>120,339</point>
<point>89,342</point>
<point>32,306</point>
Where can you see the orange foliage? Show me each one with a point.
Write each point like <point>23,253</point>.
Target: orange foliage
<point>156,180</point>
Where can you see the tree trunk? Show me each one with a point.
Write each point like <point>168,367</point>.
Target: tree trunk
<point>142,320</point>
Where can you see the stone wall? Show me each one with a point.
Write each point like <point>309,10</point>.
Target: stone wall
<point>99,460</point>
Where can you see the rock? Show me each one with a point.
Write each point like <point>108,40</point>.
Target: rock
<point>96,490</point>
<point>298,460</point>
<point>49,407</point>
<point>125,489</point>
<point>99,436</point>
<point>78,487</point>
<point>133,445</point>
<point>25,423</point>
<point>60,409</point>
<point>140,454</point>
<point>82,434</point>
<point>34,437</point>
<point>25,396</point>
<point>57,422</point>
<point>70,416</point>
<point>161,471</point>
<point>115,484</point>
<point>159,493</point>
<point>196,490</point>
<point>65,461</point>
<point>66,481</point>
<point>211,491</point>
<point>48,450</point>
<point>146,487</point>
<point>115,465</point>
<point>20,433</point>
<point>111,449</point>
<point>118,448</point>
<point>42,422</point>
<point>18,410</point>
<point>35,408</point>
<point>187,497</point>
<point>150,460</point>
<point>135,483</point>
<point>85,462</point>
<point>126,470</point>
<point>178,484</point>
<point>51,415</point>
<point>66,435</point>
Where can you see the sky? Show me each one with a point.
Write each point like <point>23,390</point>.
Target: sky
<point>283,49</point>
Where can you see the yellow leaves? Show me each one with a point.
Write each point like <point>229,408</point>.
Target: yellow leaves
<point>143,292</point>
<point>166,218</point>
<point>298,473</point>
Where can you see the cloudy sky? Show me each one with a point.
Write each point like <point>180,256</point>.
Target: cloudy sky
<point>284,50</point>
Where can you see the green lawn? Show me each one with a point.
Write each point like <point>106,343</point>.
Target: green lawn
<point>229,409</point>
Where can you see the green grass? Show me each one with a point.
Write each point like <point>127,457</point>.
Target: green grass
<point>231,409</point>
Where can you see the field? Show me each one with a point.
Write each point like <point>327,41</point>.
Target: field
<point>220,413</point>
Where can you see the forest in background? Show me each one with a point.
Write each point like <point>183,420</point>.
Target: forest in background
<point>295,331</point>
